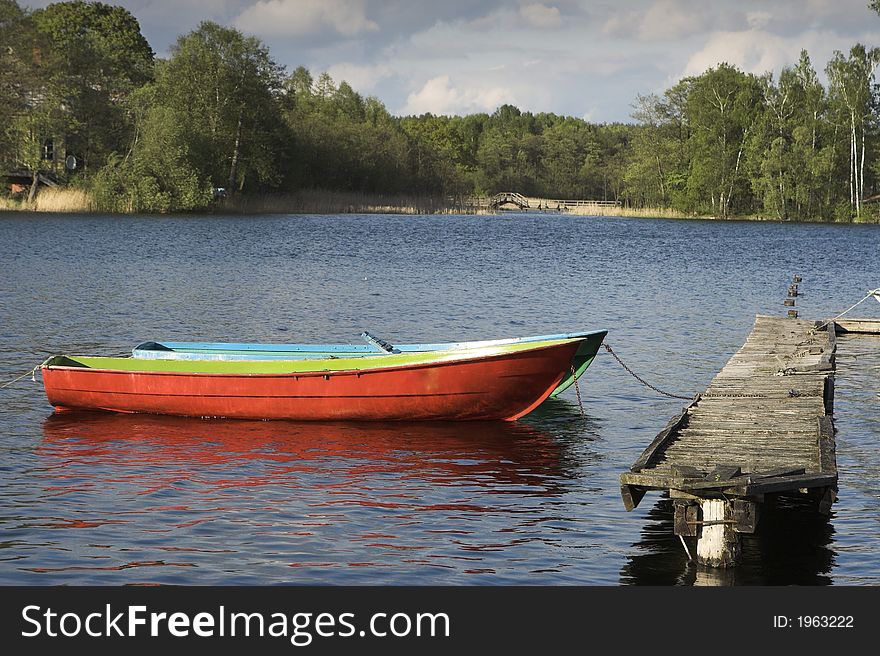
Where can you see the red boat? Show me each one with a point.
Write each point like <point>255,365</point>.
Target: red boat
<point>501,382</point>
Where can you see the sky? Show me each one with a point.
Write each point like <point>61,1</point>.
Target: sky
<point>583,58</point>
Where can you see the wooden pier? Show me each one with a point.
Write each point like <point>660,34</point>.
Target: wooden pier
<point>762,428</point>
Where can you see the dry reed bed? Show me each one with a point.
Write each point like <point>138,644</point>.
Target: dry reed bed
<point>310,201</point>
<point>67,200</point>
<point>64,200</point>
<point>641,212</point>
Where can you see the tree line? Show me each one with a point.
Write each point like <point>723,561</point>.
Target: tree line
<point>84,98</point>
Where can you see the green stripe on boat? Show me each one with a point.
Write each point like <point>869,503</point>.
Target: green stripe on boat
<point>291,366</point>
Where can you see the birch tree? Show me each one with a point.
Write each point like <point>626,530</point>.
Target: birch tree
<point>224,89</point>
<point>723,106</point>
<point>658,167</point>
<point>851,90</point>
<point>811,145</point>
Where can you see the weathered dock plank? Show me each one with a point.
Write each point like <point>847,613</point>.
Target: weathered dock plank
<point>860,326</point>
<point>763,426</point>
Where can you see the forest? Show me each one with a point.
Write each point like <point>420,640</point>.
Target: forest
<point>85,102</point>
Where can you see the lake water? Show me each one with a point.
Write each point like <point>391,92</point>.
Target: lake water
<point>106,499</point>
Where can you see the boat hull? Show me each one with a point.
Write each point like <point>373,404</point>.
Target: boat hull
<point>504,386</point>
<point>235,351</point>
<point>581,360</point>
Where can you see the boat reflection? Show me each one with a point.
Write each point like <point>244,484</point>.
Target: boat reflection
<point>791,547</point>
<point>486,453</point>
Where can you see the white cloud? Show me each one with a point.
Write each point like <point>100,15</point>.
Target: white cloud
<point>439,96</point>
<point>758,20</point>
<point>360,77</point>
<point>760,51</point>
<point>620,24</point>
<point>541,16</point>
<point>753,51</point>
<point>663,20</point>
<point>527,18</point>
<point>301,17</point>
<point>668,20</point>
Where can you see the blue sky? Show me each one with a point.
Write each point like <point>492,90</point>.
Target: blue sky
<point>585,58</point>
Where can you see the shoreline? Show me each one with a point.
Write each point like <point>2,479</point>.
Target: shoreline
<point>319,202</point>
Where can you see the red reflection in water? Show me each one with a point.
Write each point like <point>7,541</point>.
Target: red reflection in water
<point>108,568</point>
<point>60,522</point>
<point>442,453</point>
<point>285,482</point>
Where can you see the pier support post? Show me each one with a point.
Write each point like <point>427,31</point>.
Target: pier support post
<point>718,544</point>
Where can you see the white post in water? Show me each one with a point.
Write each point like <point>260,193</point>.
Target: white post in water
<point>718,544</point>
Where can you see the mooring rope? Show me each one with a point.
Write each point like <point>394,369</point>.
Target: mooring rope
<point>32,373</point>
<point>871,292</point>
<point>642,380</point>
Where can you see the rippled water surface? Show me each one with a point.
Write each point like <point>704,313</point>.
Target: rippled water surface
<point>110,499</point>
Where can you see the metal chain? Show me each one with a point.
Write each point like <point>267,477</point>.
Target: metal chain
<point>577,391</point>
<point>642,380</point>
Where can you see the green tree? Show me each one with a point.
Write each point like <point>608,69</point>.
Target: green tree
<point>347,102</point>
<point>789,163</point>
<point>646,176</point>
<point>775,168</point>
<point>31,132</point>
<point>567,150</point>
<point>157,173</point>
<point>31,109</point>
<point>19,78</point>
<point>435,153</point>
<point>812,152</point>
<point>340,141</point>
<point>100,58</point>
<point>852,94</point>
<point>614,142</point>
<point>14,69</point>
<point>224,90</point>
<point>723,106</point>
<point>509,152</point>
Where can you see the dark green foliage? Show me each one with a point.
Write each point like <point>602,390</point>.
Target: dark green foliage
<point>98,58</point>
<point>157,174</point>
<point>722,108</point>
<point>223,89</point>
<point>16,72</point>
<point>101,43</point>
<point>32,110</point>
<point>17,75</point>
<point>338,140</point>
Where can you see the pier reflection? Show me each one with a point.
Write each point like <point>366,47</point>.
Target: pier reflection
<point>791,547</point>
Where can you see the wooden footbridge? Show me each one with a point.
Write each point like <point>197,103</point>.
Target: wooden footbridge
<point>517,201</point>
<point>763,427</point>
